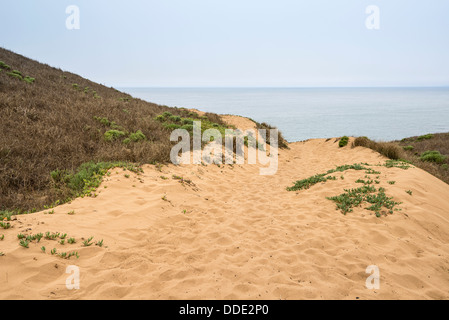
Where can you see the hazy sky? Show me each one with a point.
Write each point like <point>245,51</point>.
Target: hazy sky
<point>236,43</point>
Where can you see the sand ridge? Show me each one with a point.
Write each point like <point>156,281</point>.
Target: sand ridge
<point>226,232</point>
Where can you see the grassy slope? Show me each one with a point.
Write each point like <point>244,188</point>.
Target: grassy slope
<point>411,149</point>
<point>54,124</point>
<point>431,142</point>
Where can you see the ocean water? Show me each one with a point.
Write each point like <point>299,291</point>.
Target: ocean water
<point>304,113</point>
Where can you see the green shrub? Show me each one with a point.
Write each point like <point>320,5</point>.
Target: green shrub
<point>89,176</point>
<point>112,135</point>
<point>408,148</point>
<point>188,127</point>
<point>6,214</point>
<point>103,121</point>
<point>187,121</point>
<point>425,137</point>
<point>15,75</point>
<point>166,114</point>
<point>355,197</point>
<point>59,175</point>
<point>171,126</point>
<point>4,66</point>
<point>175,118</point>
<point>137,136</point>
<point>160,118</point>
<point>445,166</point>
<point>401,164</point>
<point>17,72</point>
<point>307,183</point>
<point>343,141</point>
<point>29,79</point>
<point>433,156</point>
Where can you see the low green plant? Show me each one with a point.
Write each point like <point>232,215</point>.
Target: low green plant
<point>29,79</point>
<point>175,118</point>
<point>172,126</point>
<point>112,135</point>
<point>372,171</point>
<point>391,182</point>
<point>307,183</point>
<point>24,243</point>
<point>187,121</point>
<point>343,141</point>
<point>6,215</point>
<point>66,255</point>
<point>355,197</point>
<point>366,182</point>
<point>89,176</point>
<point>15,75</point>
<point>401,164</point>
<point>323,177</point>
<point>408,148</point>
<point>52,236</point>
<point>71,241</point>
<point>5,225</point>
<point>103,120</point>
<point>410,192</point>
<point>137,136</point>
<point>425,137</point>
<point>433,156</point>
<point>88,243</point>
<point>4,66</point>
<point>188,127</point>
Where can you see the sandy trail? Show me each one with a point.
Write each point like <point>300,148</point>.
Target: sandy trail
<point>234,234</point>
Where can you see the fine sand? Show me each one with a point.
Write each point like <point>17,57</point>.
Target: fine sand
<point>231,233</point>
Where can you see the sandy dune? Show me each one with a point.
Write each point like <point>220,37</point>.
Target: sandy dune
<point>234,234</point>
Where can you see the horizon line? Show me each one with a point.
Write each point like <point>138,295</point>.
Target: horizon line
<point>280,87</point>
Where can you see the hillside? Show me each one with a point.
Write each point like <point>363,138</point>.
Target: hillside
<point>53,121</point>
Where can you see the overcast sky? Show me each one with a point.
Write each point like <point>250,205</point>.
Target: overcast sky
<point>188,43</point>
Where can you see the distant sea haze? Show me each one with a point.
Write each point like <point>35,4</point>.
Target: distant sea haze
<point>304,113</point>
